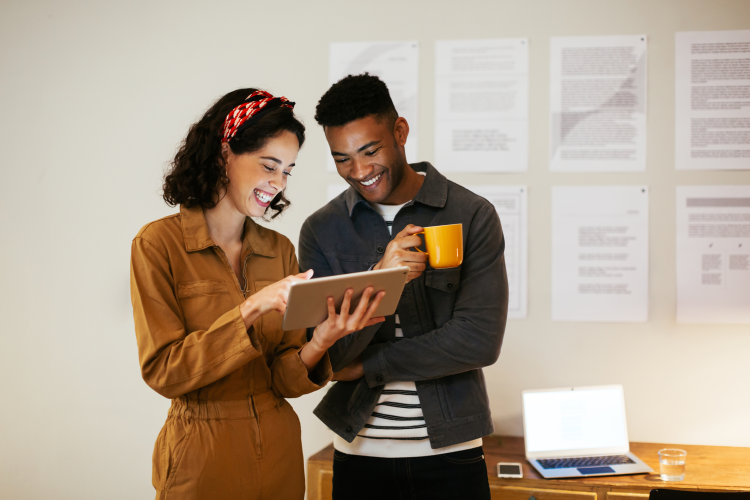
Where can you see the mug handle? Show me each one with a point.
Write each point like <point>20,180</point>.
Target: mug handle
<point>417,248</point>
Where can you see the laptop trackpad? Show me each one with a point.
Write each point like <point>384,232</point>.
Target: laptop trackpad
<point>596,470</point>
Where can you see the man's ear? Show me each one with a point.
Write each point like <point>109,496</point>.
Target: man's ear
<point>401,130</point>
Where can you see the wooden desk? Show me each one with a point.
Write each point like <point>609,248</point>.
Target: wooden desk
<point>714,468</point>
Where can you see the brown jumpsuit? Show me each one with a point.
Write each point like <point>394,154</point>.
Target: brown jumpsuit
<point>229,433</point>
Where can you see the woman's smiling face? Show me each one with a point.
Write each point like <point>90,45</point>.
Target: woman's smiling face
<point>256,178</point>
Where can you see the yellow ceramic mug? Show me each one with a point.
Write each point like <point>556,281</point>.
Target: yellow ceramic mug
<point>445,245</point>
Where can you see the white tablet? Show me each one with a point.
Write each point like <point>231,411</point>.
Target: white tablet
<point>307,305</point>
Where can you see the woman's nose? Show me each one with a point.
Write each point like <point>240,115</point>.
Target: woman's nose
<point>279,180</point>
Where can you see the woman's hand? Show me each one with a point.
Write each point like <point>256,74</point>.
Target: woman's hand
<point>271,298</point>
<point>341,325</point>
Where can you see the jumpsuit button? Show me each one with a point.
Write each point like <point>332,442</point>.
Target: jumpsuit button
<point>378,378</point>
<point>450,285</point>
<point>348,429</point>
<point>381,249</point>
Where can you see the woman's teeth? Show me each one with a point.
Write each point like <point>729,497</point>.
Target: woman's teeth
<point>263,197</point>
<point>371,181</point>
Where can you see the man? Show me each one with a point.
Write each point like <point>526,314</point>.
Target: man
<point>411,405</point>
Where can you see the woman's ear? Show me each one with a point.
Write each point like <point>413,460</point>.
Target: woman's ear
<point>225,151</point>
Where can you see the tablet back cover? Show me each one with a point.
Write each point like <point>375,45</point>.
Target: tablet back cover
<point>307,305</point>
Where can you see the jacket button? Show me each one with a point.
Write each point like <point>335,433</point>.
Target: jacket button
<point>348,429</point>
<point>378,378</point>
<point>450,285</point>
<point>381,249</point>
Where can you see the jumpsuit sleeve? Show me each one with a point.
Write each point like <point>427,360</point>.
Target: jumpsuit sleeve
<point>289,373</point>
<point>174,361</point>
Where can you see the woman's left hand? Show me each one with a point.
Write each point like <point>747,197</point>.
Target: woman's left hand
<point>341,325</point>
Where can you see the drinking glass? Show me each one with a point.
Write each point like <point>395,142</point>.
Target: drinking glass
<point>672,464</point>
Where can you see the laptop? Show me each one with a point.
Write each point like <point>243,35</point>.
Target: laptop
<point>578,432</point>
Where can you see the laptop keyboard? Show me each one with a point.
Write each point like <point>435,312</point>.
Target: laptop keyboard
<point>562,463</point>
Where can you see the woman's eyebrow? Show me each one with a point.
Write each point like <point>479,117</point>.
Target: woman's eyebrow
<point>272,159</point>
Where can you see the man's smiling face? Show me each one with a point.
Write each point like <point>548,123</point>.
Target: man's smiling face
<point>369,155</point>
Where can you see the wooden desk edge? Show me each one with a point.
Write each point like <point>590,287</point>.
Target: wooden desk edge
<point>631,487</point>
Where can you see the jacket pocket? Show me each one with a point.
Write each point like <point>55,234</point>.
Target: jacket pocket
<point>441,286</point>
<point>465,394</point>
<point>270,323</point>
<point>359,393</point>
<point>202,302</point>
<point>445,280</point>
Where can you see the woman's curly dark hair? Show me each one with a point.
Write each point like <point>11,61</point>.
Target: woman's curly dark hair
<point>197,175</point>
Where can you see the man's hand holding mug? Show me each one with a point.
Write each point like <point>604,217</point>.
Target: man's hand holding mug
<point>399,253</point>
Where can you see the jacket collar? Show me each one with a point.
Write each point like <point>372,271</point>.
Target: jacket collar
<point>434,190</point>
<point>195,233</point>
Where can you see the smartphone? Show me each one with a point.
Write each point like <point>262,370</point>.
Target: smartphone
<point>509,469</point>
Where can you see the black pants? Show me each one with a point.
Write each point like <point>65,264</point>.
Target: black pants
<point>453,476</point>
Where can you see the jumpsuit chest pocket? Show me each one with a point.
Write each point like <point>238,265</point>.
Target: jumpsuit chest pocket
<point>270,324</point>
<point>202,302</point>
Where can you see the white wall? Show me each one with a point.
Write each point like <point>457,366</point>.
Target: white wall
<point>94,98</point>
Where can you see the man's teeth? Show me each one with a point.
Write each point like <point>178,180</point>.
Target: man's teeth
<point>371,181</point>
<point>263,197</point>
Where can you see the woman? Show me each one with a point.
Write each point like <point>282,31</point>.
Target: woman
<point>208,288</point>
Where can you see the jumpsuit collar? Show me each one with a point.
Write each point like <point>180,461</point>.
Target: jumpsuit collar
<point>195,234</point>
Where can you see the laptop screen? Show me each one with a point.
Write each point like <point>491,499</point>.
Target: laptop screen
<point>575,419</point>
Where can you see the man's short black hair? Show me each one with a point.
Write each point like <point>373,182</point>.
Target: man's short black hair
<point>354,97</point>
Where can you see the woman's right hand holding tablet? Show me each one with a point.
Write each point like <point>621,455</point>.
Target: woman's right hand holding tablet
<point>271,298</point>
<point>274,298</point>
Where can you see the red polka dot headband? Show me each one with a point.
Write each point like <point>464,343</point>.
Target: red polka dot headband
<point>256,105</point>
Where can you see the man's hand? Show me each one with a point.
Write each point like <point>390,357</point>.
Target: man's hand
<point>398,253</point>
<point>352,371</point>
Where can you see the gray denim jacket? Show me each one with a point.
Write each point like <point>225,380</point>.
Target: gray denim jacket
<point>453,319</point>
